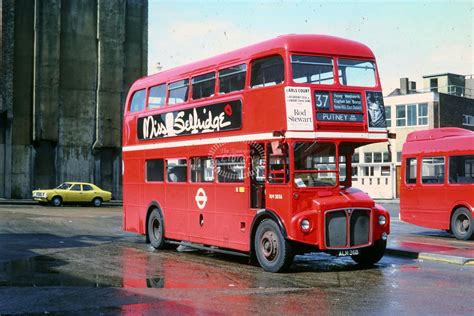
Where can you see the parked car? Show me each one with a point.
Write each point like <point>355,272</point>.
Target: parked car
<point>73,192</point>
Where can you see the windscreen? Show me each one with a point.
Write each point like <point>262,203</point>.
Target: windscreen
<point>314,164</point>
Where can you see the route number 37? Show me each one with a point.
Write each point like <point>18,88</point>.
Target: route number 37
<point>322,100</point>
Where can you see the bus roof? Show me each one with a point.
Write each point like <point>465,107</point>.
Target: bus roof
<point>438,133</point>
<point>446,139</point>
<point>307,43</point>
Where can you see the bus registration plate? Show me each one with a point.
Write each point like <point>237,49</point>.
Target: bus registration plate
<point>350,252</point>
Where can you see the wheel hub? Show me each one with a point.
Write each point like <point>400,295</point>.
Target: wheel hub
<point>269,245</point>
<point>156,228</point>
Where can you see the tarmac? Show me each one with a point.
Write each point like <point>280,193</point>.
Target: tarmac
<point>405,240</point>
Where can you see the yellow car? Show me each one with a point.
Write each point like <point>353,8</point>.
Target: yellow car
<point>73,192</point>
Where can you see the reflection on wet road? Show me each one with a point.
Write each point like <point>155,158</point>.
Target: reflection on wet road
<point>120,274</point>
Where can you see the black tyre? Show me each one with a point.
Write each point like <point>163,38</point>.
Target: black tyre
<point>156,230</point>
<point>371,255</point>
<point>97,202</point>
<point>56,201</point>
<point>461,224</point>
<point>273,251</point>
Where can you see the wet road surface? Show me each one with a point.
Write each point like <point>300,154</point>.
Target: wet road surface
<point>77,260</point>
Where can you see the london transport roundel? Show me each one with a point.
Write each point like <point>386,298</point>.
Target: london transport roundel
<point>201,198</point>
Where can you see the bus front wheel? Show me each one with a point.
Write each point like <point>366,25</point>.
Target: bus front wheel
<point>272,250</point>
<point>461,224</point>
<point>155,230</point>
<point>371,255</point>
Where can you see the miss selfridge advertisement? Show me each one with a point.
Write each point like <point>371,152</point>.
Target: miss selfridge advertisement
<point>204,119</point>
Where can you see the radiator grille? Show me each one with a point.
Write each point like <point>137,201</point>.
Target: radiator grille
<point>347,228</point>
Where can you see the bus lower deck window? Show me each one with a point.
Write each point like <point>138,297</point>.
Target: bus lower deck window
<point>230,169</point>
<point>432,170</point>
<point>410,176</point>
<point>154,170</point>
<point>176,170</point>
<point>202,169</point>
<point>461,169</point>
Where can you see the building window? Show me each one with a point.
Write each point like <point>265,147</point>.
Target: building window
<point>355,158</point>
<point>432,170</point>
<point>368,157</point>
<point>378,157</point>
<point>467,120</point>
<point>369,171</point>
<point>423,114</point>
<point>401,115</point>
<point>399,156</point>
<point>355,172</point>
<point>388,116</point>
<point>412,115</point>
<point>386,157</point>
<point>385,171</point>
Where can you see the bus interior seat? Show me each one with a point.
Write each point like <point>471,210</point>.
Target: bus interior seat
<point>177,174</point>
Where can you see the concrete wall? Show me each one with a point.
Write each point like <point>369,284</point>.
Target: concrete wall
<point>72,62</point>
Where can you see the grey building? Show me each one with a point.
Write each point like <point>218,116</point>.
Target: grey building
<point>65,68</point>
<point>449,103</point>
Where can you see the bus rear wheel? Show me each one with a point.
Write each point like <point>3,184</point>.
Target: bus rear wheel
<point>273,251</point>
<point>155,230</point>
<point>461,224</point>
<point>371,255</point>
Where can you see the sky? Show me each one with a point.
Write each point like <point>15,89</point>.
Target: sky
<point>409,38</point>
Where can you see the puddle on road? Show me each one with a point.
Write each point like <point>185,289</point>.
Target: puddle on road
<point>46,271</point>
<point>128,267</point>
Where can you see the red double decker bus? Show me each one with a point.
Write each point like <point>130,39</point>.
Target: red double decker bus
<point>250,152</point>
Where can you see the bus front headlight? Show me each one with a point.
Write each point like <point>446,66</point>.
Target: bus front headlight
<point>382,220</point>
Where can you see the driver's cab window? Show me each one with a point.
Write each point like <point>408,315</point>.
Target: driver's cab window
<point>315,164</point>
<point>277,154</point>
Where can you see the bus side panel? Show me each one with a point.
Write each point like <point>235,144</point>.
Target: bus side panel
<point>175,210</point>
<point>202,217</point>
<point>232,226</point>
<point>132,194</point>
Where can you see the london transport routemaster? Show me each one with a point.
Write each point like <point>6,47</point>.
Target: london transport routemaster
<point>437,187</point>
<point>250,152</point>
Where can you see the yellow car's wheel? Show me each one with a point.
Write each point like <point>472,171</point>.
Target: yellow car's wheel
<point>97,202</point>
<point>56,201</point>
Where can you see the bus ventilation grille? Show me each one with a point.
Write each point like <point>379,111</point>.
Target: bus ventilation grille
<point>355,222</point>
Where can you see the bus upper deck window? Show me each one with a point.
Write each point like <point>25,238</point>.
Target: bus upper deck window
<point>138,101</point>
<point>178,91</point>
<point>359,73</point>
<point>157,96</point>
<point>204,85</point>
<point>267,71</point>
<point>232,78</point>
<point>312,69</point>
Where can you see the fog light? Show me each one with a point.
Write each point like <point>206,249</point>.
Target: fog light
<point>382,220</point>
<point>384,236</point>
<point>305,225</point>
